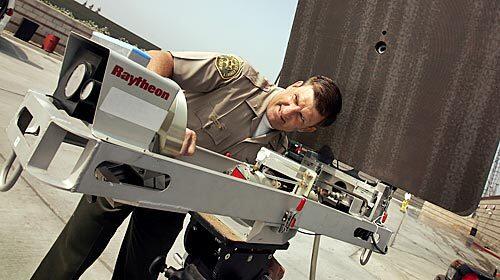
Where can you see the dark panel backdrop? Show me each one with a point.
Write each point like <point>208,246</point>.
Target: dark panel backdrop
<point>425,114</point>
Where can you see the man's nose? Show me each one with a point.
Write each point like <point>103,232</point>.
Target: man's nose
<point>290,110</point>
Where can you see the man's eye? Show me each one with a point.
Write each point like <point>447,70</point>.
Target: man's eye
<point>302,118</point>
<point>296,98</point>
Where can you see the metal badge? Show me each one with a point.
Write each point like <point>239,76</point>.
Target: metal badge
<point>228,66</point>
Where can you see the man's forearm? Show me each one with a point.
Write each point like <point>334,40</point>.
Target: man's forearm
<point>162,63</point>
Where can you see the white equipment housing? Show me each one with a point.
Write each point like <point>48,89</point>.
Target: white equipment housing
<point>139,122</point>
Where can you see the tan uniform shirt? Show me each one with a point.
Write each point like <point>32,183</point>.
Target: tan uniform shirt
<point>226,100</point>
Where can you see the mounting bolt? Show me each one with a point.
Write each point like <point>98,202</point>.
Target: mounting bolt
<point>270,256</point>
<point>227,256</point>
<point>249,259</point>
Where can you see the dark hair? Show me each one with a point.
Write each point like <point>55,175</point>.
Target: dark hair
<point>327,98</point>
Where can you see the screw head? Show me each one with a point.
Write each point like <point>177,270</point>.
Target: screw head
<point>249,259</point>
<point>227,256</point>
<point>270,256</point>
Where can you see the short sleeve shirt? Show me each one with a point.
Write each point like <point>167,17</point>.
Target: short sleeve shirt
<point>226,99</point>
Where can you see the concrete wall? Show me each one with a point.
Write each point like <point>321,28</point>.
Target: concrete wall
<point>486,220</point>
<point>51,21</point>
<point>83,13</point>
<point>431,212</point>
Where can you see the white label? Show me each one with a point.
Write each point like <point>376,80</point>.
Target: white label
<point>135,110</point>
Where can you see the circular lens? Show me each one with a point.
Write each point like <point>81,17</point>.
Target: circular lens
<point>87,90</point>
<point>381,47</point>
<point>75,80</point>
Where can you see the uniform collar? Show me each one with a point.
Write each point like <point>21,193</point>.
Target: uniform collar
<point>263,127</point>
<point>259,103</point>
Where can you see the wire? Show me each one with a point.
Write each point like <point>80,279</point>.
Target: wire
<point>380,251</point>
<point>365,257</point>
<point>383,252</point>
<point>7,183</point>
<point>367,253</point>
<point>59,104</point>
<point>272,177</point>
<point>365,202</point>
<point>308,233</point>
<point>376,219</point>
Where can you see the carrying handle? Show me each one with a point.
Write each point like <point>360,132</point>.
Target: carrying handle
<point>7,184</point>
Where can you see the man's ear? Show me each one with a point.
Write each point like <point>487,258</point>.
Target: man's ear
<point>296,84</point>
<point>308,129</point>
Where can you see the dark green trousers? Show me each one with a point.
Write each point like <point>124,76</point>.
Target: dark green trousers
<point>150,233</point>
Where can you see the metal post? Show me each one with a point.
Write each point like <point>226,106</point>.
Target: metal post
<point>397,231</point>
<point>314,257</point>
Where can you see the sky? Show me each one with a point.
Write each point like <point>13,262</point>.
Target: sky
<point>256,30</point>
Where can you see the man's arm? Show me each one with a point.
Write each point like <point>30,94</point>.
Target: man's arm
<point>162,63</point>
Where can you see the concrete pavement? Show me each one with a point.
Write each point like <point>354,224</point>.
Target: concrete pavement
<point>32,215</point>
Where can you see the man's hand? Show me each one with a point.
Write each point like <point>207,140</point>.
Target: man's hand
<point>189,143</point>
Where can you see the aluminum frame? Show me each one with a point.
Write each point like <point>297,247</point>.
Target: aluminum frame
<point>200,188</point>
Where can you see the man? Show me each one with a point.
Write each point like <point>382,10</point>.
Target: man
<point>232,110</point>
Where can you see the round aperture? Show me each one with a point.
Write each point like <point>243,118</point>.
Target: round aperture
<point>381,47</point>
<point>87,89</point>
<point>76,79</point>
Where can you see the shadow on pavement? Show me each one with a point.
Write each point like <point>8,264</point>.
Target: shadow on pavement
<point>10,49</point>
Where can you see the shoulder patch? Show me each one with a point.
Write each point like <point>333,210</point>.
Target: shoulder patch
<point>228,66</point>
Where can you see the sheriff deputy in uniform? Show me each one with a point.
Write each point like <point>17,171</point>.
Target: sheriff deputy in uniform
<point>232,109</point>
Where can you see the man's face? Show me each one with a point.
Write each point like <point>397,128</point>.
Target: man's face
<point>293,109</point>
